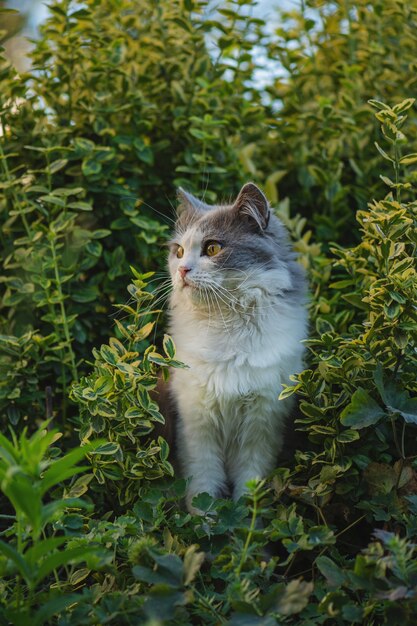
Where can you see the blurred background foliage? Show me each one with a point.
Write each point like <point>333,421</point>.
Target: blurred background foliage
<point>122,102</point>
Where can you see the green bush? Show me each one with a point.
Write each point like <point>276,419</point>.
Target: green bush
<point>336,56</point>
<point>125,101</point>
<point>114,115</point>
<point>29,472</point>
<point>115,401</point>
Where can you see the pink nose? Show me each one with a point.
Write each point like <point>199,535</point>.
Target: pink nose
<point>183,270</point>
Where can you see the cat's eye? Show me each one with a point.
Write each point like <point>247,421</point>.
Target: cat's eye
<point>180,252</point>
<point>212,248</point>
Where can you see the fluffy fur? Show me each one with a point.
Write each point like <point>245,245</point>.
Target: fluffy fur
<point>237,319</point>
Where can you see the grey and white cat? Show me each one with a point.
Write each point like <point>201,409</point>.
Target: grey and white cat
<point>238,316</point>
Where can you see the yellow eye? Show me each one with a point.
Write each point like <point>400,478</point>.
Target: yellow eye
<point>213,248</point>
<point>180,252</point>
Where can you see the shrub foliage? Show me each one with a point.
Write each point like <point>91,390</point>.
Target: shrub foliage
<point>124,102</point>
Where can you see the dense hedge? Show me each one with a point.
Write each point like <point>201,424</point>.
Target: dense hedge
<point>124,102</point>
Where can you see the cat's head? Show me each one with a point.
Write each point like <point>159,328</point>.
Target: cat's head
<point>228,251</point>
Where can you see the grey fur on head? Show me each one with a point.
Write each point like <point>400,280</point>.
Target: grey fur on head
<point>252,202</point>
<point>188,201</point>
<point>250,234</point>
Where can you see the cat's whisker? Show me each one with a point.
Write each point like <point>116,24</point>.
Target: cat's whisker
<point>158,278</point>
<point>163,215</point>
<point>220,311</point>
<point>174,208</point>
<point>165,283</point>
<point>157,302</point>
<point>227,322</point>
<point>161,299</point>
<point>128,196</point>
<point>115,314</point>
<point>223,298</point>
<point>207,299</point>
<point>207,182</point>
<point>214,297</point>
<point>227,294</point>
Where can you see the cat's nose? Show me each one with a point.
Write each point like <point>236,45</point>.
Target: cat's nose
<point>183,270</point>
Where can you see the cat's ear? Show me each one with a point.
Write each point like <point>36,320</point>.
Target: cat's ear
<point>188,202</point>
<point>253,203</point>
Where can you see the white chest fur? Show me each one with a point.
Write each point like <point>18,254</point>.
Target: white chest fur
<point>231,420</point>
<point>233,354</point>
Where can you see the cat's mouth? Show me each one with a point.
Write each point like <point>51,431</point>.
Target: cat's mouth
<point>188,283</point>
<point>191,286</point>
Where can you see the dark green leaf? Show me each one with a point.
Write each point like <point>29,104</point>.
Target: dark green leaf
<point>362,411</point>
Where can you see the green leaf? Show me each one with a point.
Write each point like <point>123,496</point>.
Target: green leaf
<point>396,399</point>
<point>51,607</point>
<point>81,206</point>
<point>383,153</point>
<point>65,467</point>
<point>85,294</point>
<point>42,547</point>
<point>58,559</point>
<point>50,199</point>
<point>109,448</point>
<point>57,165</point>
<point>171,567</point>
<point>100,233</point>
<point>334,575</point>
<point>24,495</point>
<point>53,510</point>
<point>157,358</point>
<point>133,413</point>
<point>379,105</point>
<point>408,159</point>
<point>355,300</point>
<point>91,167</point>
<point>169,347</point>
<point>18,560</point>
<point>145,331</point>
<point>294,597</point>
<point>8,451</point>
<point>362,411</point>
<point>109,354</point>
<point>103,385</point>
<point>347,436</point>
<point>203,502</point>
<point>403,106</point>
<point>149,576</point>
<point>387,180</point>
<point>106,409</point>
<point>95,248</point>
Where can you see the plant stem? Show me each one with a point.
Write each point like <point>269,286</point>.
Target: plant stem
<point>394,432</point>
<point>403,440</point>
<point>206,603</point>
<point>10,180</point>
<point>19,549</point>
<point>249,535</point>
<point>63,312</point>
<point>350,525</point>
<point>397,171</point>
